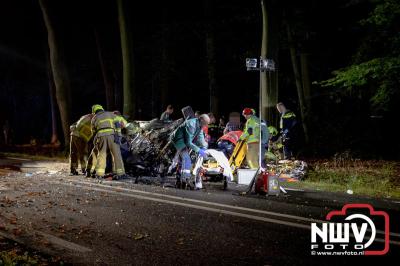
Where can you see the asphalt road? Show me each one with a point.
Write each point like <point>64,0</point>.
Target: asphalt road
<point>86,221</point>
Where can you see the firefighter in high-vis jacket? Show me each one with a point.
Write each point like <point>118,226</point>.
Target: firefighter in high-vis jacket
<point>251,134</point>
<point>103,127</point>
<point>76,151</point>
<point>81,133</point>
<point>120,123</point>
<point>287,126</point>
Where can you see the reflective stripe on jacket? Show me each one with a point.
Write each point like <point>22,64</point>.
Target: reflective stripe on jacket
<point>251,132</point>
<point>120,123</point>
<point>84,127</point>
<point>288,121</point>
<point>103,124</point>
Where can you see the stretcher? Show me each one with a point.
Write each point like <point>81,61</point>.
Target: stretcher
<point>238,155</point>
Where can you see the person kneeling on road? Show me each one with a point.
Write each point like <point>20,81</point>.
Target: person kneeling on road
<point>188,136</point>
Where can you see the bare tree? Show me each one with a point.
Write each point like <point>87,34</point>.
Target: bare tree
<point>108,84</point>
<point>299,82</point>
<point>59,71</point>
<point>305,75</point>
<point>211,56</point>
<point>127,61</point>
<point>53,104</point>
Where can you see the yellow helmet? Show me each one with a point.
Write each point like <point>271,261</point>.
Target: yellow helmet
<point>96,108</point>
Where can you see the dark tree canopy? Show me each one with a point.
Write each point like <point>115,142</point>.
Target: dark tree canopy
<point>182,51</point>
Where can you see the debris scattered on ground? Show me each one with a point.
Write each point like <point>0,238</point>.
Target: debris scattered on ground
<point>290,171</point>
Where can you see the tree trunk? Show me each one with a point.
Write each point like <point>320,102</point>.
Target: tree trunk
<point>108,84</point>
<point>53,105</point>
<point>165,65</point>
<point>212,81</point>
<point>211,57</point>
<point>129,98</point>
<point>269,81</point>
<point>60,74</point>
<point>297,76</point>
<point>306,81</point>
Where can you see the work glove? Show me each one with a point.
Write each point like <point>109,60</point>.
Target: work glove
<point>203,153</point>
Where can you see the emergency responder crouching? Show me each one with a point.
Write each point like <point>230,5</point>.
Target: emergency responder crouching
<point>251,134</point>
<point>188,136</point>
<point>103,127</point>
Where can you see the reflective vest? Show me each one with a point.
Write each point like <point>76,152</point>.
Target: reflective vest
<point>251,132</point>
<point>272,131</point>
<point>83,127</point>
<point>120,123</point>
<point>232,136</point>
<point>103,124</point>
<point>288,120</point>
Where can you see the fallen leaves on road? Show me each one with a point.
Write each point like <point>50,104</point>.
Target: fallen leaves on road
<point>138,236</point>
<point>17,231</point>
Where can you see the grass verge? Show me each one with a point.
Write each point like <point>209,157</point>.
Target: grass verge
<point>59,157</point>
<point>379,179</point>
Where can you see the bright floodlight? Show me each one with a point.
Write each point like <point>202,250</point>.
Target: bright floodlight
<point>267,64</point>
<point>251,63</point>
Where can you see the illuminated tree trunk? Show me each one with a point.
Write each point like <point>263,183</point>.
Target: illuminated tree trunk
<point>129,98</point>
<point>53,105</point>
<point>60,73</point>
<point>269,80</point>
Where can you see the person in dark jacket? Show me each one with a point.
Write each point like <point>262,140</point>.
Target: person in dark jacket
<point>287,127</point>
<point>166,116</point>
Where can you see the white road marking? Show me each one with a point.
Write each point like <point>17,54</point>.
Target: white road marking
<point>202,202</point>
<point>18,159</point>
<point>188,205</point>
<point>214,204</point>
<point>259,218</point>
